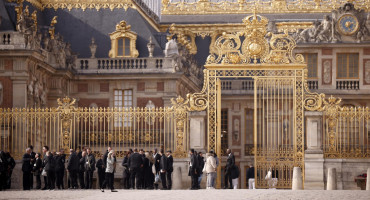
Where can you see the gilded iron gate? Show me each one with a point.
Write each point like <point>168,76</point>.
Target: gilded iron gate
<point>268,59</point>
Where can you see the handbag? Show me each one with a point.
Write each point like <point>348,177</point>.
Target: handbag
<point>157,179</point>
<point>43,173</point>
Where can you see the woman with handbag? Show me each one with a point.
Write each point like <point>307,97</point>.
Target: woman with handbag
<point>210,169</point>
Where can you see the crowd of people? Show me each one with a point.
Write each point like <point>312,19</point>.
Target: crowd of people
<point>7,165</point>
<point>141,169</point>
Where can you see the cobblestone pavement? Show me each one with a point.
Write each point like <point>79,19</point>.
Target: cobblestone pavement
<point>188,194</point>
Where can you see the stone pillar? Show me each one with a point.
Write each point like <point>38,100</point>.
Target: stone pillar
<point>198,131</point>
<point>368,179</point>
<point>314,157</point>
<point>332,179</point>
<point>177,179</point>
<point>297,179</point>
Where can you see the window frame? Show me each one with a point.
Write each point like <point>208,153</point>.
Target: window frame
<point>347,66</point>
<point>124,45</point>
<point>122,122</point>
<point>305,55</point>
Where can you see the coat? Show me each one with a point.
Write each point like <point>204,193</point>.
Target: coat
<point>59,163</point>
<point>110,165</point>
<point>194,165</point>
<point>26,163</point>
<point>170,163</point>
<point>201,163</point>
<point>37,168</point>
<point>100,166</point>
<point>73,162</point>
<point>210,165</point>
<point>90,162</point>
<point>163,164</point>
<point>157,159</point>
<point>135,161</point>
<point>235,172</point>
<point>81,167</point>
<point>230,162</point>
<point>49,163</point>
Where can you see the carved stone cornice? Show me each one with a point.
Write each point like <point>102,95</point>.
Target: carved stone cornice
<point>207,7</point>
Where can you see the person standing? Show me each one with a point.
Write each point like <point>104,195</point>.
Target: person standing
<point>44,150</point>
<point>11,164</point>
<point>149,176</point>
<point>126,171</point>
<point>50,170</point>
<point>27,168</point>
<point>135,162</point>
<point>210,170</point>
<point>193,170</point>
<point>145,172</point>
<point>157,159</point>
<point>228,169</point>
<point>59,170</point>
<point>81,170</point>
<point>109,172</point>
<point>170,169</point>
<point>63,157</point>
<point>3,171</point>
<point>37,169</point>
<point>33,154</point>
<point>72,168</point>
<point>201,166</point>
<point>250,176</point>
<point>101,171</point>
<point>163,169</point>
<point>89,168</point>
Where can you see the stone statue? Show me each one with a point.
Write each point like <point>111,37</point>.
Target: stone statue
<point>93,47</point>
<point>70,58</point>
<point>327,72</point>
<point>150,104</point>
<point>44,96</point>
<point>151,46</point>
<point>324,30</point>
<point>308,34</point>
<point>46,41</point>
<point>171,48</point>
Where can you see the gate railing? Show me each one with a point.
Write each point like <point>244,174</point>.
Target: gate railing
<point>68,127</point>
<point>346,130</point>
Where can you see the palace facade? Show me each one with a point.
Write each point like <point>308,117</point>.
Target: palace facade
<point>127,54</point>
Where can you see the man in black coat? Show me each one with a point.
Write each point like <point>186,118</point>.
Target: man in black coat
<point>37,169</point>
<point>89,168</point>
<point>126,170</point>
<point>11,164</point>
<point>81,170</point>
<point>44,150</point>
<point>169,169</point>
<point>72,167</point>
<point>101,171</point>
<point>59,169</point>
<point>50,169</point>
<point>193,169</point>
<point>163,169</point>
<point>200,169</point>
<point>135,163</point>
<point>27,168</point>
<point>157,158</point>
<point>3,170</point>
<point>228,168</point>
<point>33,154</point>
<point>250,175</point>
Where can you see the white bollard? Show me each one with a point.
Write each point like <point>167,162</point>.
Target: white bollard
<point>297,179</point>
<point>331,183</point>
<point>177,179</point>
<point>368,179</point>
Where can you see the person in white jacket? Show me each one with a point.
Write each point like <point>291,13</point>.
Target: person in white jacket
<point>210,169</point>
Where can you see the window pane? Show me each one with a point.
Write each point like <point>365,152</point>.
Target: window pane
<point>311,59</point>
<point>347,65</point>
<point>120,46</point>
<point>127,47</point>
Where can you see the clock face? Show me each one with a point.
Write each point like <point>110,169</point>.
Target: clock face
<point>348,24</point>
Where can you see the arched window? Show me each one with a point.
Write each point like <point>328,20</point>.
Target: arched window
<point>123,42</point>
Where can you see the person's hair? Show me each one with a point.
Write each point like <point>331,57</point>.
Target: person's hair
<point>38,154</point>
<point>192,150</point>
<point>161,151</point>
<point>46,147</point>
<point>169,151</point>
<point>31,147</point>
<point>88,148</point>
<point>28,149</point>
<point>211,151</point>
<point>130,150</point>
<point>135,149</point>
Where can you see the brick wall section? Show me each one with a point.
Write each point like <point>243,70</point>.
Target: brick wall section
<point>7,92</point>
<point>88,102</point>
<point>82,87</point>
<point>141,102</point>
<point>327,51</point>
<point>104,87</point>
<point>366,51</point>
<point>141,86</point>
<point>160,86</point>
<point>8,65</point>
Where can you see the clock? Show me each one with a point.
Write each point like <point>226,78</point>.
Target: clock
<point>348,24</point>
